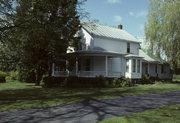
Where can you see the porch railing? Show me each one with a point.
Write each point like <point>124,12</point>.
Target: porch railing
<point>87,73</point>
<point>61,73</point>
<point>91,73</point>
<point>114,74</point>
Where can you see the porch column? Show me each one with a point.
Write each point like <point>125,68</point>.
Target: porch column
<point>66,67</point>
<point>76,67</point>
<point>141,66</point>
<point>106,65</point>
<point>148,68</point>
<point>53,69</point>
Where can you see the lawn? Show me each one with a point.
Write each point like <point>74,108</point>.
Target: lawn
<point>176,78</point>
<point>16,95</point>
<point>167,114</point>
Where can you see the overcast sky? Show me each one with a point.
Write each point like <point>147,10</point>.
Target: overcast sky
<point>132,14</point>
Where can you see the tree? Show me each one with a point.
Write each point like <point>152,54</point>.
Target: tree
<point>40,31</point>
<point>163,30</point>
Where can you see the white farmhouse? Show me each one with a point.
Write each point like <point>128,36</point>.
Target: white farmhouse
<point>111,52</point>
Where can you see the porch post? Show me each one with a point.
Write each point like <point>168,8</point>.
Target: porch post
<point>76,66</point>
<point>106,66</point>
<point>67,68</point>
<point>141,66</point>
<point>53,69</point>
<point>148,68</point>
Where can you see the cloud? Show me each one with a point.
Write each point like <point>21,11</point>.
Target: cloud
<point>131,13</point>
<point>117,18</point>
<point>114,1</point>
<point>141,27</point>
<point>138,14</point>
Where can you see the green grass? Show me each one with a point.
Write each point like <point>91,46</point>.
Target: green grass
<point>167,114</point>
<point>15,95</point>
<point>176,78</point>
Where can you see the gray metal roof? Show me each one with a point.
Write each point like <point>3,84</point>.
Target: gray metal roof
<point>146,57</point>
<point>108,32</point>
<point>132,55</point>
<point>97,52</point>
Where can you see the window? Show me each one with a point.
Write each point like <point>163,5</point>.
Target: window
<point>162,69</point>
<point>134,65</point>
<point>127,65</point>
<point>61,66</point>
<point>128,47</point>
<point>146,68</point>
<point>88,64</point>
<point>156,71</point>
<point>138,66</point>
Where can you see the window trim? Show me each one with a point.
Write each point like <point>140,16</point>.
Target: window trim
<point>128,47</point>
<point>134,65</point>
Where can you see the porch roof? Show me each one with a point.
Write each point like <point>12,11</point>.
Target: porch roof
<point>90,52</point>
<point>133,56</point>
<point>147,58</point>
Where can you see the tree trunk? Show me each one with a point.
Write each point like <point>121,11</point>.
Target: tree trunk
<point>39,75</point>
<point>50,69</point>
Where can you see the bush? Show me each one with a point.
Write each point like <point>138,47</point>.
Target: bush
<point>3,76</point>
<point>145,79</point>
<point>126,82</point>
<point>121,82</point>
<point>83,82</point>
<point>13,75</point>
<point>50,82</point>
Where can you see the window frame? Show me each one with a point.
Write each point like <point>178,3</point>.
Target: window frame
<point>128,47</point>
<point>138,65</point>
<point>127,65</point>
<point>134,65</point>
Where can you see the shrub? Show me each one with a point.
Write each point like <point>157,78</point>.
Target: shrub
<point>50,82</point>
<point>120,82</point>
<point>83,82</point>
<point>3,76</point>
<point>13,75</point>
<point>115,82</point>
<point>126,82</point>
<point>145,79</point>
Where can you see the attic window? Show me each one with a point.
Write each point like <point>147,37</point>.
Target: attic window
<point>128,47</point>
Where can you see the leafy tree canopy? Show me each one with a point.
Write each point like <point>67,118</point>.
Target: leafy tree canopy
<point>37,31</point>
<point>163,31</point>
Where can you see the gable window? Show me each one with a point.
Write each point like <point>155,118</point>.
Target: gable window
<point>128,47</point>
<point>138,66</point>
<point>134,65</point>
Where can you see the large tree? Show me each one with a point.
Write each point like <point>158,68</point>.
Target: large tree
<point>163,31</point>
<point>40,30</point>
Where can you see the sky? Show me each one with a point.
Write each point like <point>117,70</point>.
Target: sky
<point>132,14</point>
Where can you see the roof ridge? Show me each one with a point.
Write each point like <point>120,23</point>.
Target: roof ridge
<point>104,25</point>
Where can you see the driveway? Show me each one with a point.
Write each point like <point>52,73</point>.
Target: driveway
<point>93,110</point>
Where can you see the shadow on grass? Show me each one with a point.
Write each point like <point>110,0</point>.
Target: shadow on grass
<point>43,97</point>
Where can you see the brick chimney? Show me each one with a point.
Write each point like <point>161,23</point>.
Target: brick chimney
<point>120,26</point>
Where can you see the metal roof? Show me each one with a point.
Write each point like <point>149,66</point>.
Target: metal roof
<point>97,52</point>
<point>108,32</point>
<point>146,57</point>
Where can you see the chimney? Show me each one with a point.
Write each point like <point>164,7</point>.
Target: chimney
<point>120,26</point>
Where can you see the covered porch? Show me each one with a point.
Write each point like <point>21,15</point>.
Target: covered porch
<point>92,65</point>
